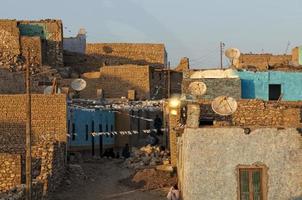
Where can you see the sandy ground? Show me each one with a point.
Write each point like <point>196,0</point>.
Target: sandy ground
<point>103,182</point>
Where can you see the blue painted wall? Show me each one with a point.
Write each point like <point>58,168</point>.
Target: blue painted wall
<point>256,84</point>
<point>80,118</point>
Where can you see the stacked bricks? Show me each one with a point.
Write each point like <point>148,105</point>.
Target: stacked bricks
<point>10,171</point>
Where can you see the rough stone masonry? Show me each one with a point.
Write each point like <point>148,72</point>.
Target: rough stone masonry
<point>48,138</point>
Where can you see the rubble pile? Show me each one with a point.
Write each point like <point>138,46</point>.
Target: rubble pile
<point>74,174</point>
<point>148,156</point>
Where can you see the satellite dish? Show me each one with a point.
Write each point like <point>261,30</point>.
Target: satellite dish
<point>232,53</point>
<point>197,88</point>
<point>224,105</point>
<point>78,84</point>
<point>49,90</point>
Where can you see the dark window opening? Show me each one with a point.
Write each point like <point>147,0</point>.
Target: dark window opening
<point>274,92</point>
<point>107,130</point>
<point>206,122</point>
<point>86,132</point>
<point>73,131</point>
<point>250,183</point>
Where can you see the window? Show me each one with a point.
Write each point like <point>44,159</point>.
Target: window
<point>86,132</point>
<point>274,92</point>
<point>107,130</point>
<point>251,181</point>
<point>73,131</point>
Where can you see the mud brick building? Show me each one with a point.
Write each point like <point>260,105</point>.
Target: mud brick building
<point>44,38</point>
<point>48,140</point>
<point>144,82</point>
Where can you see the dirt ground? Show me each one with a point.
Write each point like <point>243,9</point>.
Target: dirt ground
<point>102,181</point>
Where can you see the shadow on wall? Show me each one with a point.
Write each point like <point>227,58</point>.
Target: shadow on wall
<point>116,87</point>
<point>81,63</point>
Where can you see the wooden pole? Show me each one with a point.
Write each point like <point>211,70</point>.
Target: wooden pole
<point>28,130</point>
<point>221,51</point>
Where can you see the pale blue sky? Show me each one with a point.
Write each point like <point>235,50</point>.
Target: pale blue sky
<point>191,28</point>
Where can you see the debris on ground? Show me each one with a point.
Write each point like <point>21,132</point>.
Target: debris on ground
<point>150,179</point>
<point>148,156</point>
<point>74,174</point>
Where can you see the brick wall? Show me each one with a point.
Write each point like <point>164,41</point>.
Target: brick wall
<point>10,171</point>
<point>128,53</point>
<point>9,44</point>
<point>262,61</point>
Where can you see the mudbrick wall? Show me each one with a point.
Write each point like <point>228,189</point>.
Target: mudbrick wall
<point>211,157</point>
<point>128,53</point>
<point>262,61</point>
<point>48,134</point>
<point>10,171</point>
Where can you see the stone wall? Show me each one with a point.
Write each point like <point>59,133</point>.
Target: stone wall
<point>51,33</point>
<point>9,43</point>
<point>48,134</point>
<point>76,44</point>
<point>32,46</point>
<point>10,171</point>
<point>257,113</point>
<point>262,62</point>
<point>210,157</point>
<point>117,80</point>
<point>127,53</point>
<point>216,87</point>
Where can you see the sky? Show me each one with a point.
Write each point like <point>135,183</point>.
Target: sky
<point>188,28</point>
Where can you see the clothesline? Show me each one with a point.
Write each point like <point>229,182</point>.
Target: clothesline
<point>121,132</point>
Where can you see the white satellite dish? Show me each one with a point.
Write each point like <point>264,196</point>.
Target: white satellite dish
<point>197,88</point>
<point>233,54</point>
<point>224,105</point>
<point>78,84</point>
<point>49,90</point>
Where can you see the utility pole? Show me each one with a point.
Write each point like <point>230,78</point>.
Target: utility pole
<point>28,130</point>
<point>221,53</point>
<point>169,81</point>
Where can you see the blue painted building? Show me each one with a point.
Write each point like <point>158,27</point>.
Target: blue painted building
<point>83,122</point>
<point>270,85</point>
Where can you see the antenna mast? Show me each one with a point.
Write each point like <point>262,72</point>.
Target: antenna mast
<point>221,53</point>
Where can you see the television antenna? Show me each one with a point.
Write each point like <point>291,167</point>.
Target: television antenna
<point>233,54</point>
<point>78,84</point>
<point>197,88</point>
<point>224,105</point>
